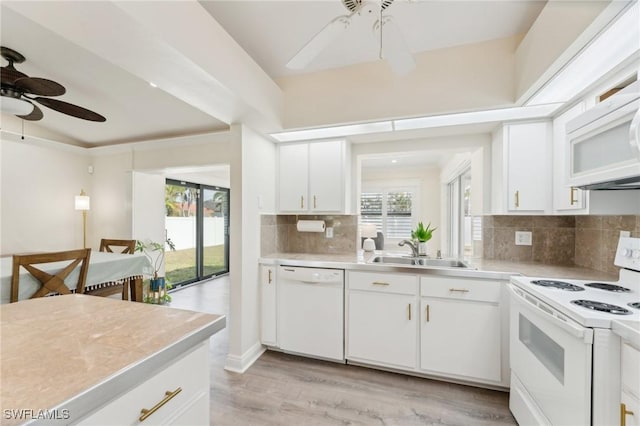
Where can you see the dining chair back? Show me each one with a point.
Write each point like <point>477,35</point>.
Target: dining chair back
<point>122,286</point>
<point>125,246</point>
<point>51,283</point>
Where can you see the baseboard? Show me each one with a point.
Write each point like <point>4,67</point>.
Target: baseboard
<point>240,364</point>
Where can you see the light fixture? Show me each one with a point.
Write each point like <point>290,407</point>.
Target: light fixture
<point>83,203</point>
<point>152,84</point>
<point>394,161</point>
<point>369,231</point>
<point>15,106</point>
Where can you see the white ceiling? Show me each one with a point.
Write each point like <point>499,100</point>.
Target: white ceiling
<point>269,31</point>
<point>273,31</point>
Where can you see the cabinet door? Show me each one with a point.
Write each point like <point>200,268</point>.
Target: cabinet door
<point>293,181</point>
<point>565,198</point>
<point>528,172</point>
<point>326,176</point>
<point>382,329</point>
<point>460,338</point>
<point>631,410</point>
<point>268,304</point>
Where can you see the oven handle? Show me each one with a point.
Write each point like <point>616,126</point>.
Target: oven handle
<point>586,334</point>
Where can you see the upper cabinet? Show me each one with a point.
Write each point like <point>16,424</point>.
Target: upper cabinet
<point>521,168</point>
<point>312,177</point>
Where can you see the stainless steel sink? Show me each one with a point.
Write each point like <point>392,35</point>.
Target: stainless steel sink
<point>419,261</point>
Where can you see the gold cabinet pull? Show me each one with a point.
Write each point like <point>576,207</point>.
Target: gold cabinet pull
<point>571,198</point>
<point>314,202</point>
<point>379,283</point>
<point>461,290</point>
<point>270,276</point>
<point>409,311</point>
<point>302,201</point>
<point>623,414</point>
<point>426,313</point>
<point>517,198</point>
<point>144,413</point>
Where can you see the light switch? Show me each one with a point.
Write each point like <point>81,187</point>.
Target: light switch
<point>329,232</point>
<point>523,238</point>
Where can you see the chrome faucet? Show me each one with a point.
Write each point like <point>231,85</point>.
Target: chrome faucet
<point>410,243</point>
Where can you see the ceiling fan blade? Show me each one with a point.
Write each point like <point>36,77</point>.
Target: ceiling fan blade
<point>39,86</point>
<point>320,41</point>
<point>35,115</point>
<point>394,47</point>
<point>8,75</point>
<point>70,109</point>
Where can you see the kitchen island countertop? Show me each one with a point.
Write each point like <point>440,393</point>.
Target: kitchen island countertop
<point>63,352</point>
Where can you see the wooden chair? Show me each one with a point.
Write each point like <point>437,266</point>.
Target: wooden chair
<point>108,245</point>
<point>123,286</point>
<point>51,283</point>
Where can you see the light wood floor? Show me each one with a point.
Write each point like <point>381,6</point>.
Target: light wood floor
<point>281,389</point>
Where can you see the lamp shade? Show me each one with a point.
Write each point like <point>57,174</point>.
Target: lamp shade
<point>368,230</point>
<point>83,202</point>
<point>15,106</point>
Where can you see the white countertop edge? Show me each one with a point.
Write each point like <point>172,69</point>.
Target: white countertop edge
<point>364,266</point>
<point>128,378</point>
<point>628,330</point>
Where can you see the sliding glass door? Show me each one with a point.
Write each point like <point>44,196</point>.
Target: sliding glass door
<point>197,225</point>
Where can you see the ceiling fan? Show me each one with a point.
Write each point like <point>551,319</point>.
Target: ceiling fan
<point>19,91</point>
<point>392,45</point>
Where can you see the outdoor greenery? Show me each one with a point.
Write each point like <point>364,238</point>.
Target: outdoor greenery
<point>180,267</point>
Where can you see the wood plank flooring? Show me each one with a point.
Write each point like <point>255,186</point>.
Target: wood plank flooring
<point>281,389</point>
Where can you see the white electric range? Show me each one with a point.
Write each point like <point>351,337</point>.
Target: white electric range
<point>565,360</point>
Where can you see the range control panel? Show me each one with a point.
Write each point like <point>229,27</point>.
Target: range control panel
<point>628,253</point>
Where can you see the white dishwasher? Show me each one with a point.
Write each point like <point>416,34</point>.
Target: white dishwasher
<point>311,311</point>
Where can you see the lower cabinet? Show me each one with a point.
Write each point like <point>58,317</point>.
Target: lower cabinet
<point>630,386</point>
<point>179,392</point>
<point>460,327</point>
<point>381,322</point>
<point>268,305</point>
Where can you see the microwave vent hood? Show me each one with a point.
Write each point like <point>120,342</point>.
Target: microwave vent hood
<point>618,184</point>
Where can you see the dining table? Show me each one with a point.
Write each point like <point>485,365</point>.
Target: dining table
<point>105,269</point>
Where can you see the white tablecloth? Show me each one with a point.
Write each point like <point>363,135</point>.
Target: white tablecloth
<point>103,268</point>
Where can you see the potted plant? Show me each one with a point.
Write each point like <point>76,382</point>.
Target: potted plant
<point>157,285</point>
<point>422,235</point>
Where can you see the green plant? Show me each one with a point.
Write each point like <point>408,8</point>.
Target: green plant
<point>421,233</point>
<point>148,247</point>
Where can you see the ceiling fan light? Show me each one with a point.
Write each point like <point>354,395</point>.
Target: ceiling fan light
<point>15,106</point>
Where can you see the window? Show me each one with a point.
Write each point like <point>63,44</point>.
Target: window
<point>464,229</point>
<point>391,210</point>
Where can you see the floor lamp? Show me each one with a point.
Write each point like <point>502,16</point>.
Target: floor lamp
<point>83,203</point>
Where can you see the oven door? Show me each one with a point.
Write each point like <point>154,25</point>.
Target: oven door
<point>551,361</point>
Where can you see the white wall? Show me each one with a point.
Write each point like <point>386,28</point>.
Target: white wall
<point>39,180</point>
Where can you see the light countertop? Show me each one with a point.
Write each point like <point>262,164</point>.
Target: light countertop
<point>496,269</point>
<point>61,351</point>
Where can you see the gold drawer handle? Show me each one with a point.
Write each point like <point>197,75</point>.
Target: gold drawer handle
<point>623,414</point>
<point>270,276</point>
<point>461,290</point>
<point>409,311</point>
<point>315,204</point>
<point>168,397</point>
<point>302,201</point>
<point>379,283</point>
<point>426,310</point>
<point>517,198</point>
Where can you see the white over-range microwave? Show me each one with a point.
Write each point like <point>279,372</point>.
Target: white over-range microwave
<point>604,143</point>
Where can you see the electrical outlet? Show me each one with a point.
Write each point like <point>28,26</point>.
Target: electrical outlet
<point>329,232</point>
<point>523,238</point>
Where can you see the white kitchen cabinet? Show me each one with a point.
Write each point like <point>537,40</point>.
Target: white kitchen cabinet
<point>566,199</point>
<point>268,305</point>
<point>381,319</point>
<point>630,382</point>
<point>180,391</point>
<point>521,179</point>
<point>313,177</point>
<point>460,328</point>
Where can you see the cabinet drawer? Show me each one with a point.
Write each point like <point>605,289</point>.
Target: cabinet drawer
<point>460,288</point>
<point>631,370</point>
<point>382,282</point>
<point>189,372</point>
